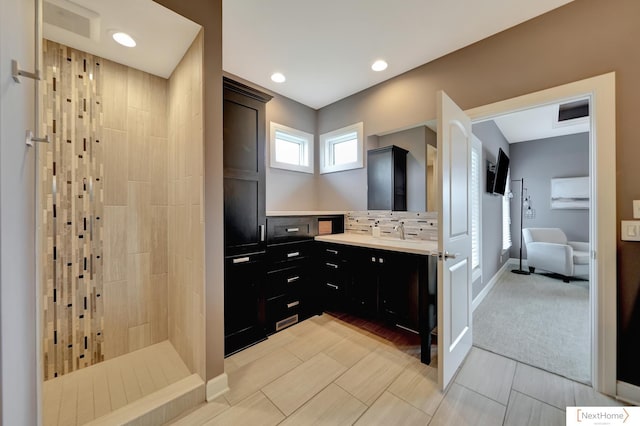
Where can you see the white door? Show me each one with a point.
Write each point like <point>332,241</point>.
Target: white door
<point>454,238</point>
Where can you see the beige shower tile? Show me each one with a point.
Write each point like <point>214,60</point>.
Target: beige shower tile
<point>139,336</point>
<point>117,393</point>
<point>526,411</point>
<point>292,390</point>
<point>544,386</point>
<point>418,385</point>
<point>139,89</point>
<point>389,409</point>
<point>159,248</point>
<point>254,410</point>
<point>139,218</point>
<point>158,166</point>
<point>333,406</point>
<point>138,288</point>
<point>159,308</point>
<point>159,106</point>
<point>138,145</point>
<point>85,408</point>
<point>367,379</point>
<point>462,406</point>
<point>101,397</point>
<point>114,95</point>
<point>116,168</point>
<point>488,374</point>
<point>116,319</point>
<point>114,243</point>
<point>255,375</point>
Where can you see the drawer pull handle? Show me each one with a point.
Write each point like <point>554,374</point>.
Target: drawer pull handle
<point>332,251</point>
<point>333,286</point>
<point>292,279</point>
<point>332,265</point>
<point>293,254</point>
<point>241,259</point>
<point>293,304</point>
<point>293,229</point>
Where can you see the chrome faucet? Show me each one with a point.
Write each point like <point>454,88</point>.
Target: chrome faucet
<point>400,228</point>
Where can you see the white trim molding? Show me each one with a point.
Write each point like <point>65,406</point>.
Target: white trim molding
<point>217,386</point>
<point>628,393</point>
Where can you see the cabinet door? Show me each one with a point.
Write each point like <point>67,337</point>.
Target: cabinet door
<point>244,170</point>
<point>243,302</point>
<point>363,291</point>
<point>399,289</point>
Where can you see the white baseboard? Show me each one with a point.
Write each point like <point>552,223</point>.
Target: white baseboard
<point>628,393</point>
<point>217,386</point>
<point>487,288</point>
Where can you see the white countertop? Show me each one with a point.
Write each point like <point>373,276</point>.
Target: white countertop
<point>392,244</point>
<point>274,213</point>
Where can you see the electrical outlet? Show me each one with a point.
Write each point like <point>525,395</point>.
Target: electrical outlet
<point>636,209</point>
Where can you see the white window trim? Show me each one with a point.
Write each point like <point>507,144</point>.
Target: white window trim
<point>477,147</point>
<point>306,145</point>
<point>326,143</point>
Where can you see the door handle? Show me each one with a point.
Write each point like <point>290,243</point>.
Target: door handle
<point>241,259</point>
<point>294,254</point>
<point>261,232</point>
<point>333,286</point>
<point>333,265</point>
<point>292,279</point>
<point>332,251</point>
<point>293,304</point>
<point>446,255</point>
<point>293,229</point>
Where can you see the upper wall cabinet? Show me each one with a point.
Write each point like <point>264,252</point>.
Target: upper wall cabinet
<point>244,168</point>
<point>387,178</point>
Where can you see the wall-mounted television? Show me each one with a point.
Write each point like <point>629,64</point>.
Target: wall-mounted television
<point>497,174</point>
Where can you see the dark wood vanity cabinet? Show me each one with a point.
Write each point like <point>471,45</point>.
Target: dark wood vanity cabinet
<point>387,178</point>
<point>244,214</point>
<point>334,276</point>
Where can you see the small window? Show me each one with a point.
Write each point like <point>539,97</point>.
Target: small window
<point>291,149</point>
<point>342,149</point>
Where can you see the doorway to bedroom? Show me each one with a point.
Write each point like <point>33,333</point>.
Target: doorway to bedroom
<point>540,314</point>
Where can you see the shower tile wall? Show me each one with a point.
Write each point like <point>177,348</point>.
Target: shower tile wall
<point>135,187</point>
<point>124,162</point>
<point>72,218</point>
<point>186,215</point>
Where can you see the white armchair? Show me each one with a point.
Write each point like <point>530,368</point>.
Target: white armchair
<point>549,250</point>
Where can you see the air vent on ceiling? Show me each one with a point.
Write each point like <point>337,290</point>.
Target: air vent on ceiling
<point>573,110</point>
<point>72,17</point>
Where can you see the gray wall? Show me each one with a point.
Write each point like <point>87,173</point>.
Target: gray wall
<point>538,162</point>
<point>18,350</point>
<point>492,256</point>
<point>288,190</point>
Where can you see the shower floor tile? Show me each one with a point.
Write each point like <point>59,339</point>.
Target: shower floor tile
<point>84,395</point>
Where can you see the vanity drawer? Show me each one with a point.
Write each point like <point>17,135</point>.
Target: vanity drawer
<point>290,253</point>
<point>283,311</point>
<point>285,281</point>
<point>290,229</point>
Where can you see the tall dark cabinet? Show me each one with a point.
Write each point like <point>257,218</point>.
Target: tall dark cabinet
<point>387,178</point>
<point>244,213</point>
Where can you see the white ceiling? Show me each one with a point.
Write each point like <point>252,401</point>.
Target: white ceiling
<point>538,123</point>
<point>326,48</point>
<point>162,36</point>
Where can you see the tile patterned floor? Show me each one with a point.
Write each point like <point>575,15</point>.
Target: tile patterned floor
<point>336,371</point>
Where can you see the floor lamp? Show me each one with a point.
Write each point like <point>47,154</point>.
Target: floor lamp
<point>521,271</point>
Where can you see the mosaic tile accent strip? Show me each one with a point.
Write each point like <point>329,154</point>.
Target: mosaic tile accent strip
<point>71,192</point>
<point>417,225</point>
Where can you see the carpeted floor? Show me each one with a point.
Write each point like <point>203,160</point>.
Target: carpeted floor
<point>539,321</point>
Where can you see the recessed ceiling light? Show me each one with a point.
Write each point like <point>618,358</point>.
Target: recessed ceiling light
<point>379,65</point>
<point>124,39</point>
<point>278,77</point>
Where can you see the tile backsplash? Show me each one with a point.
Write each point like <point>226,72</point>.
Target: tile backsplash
<point>417,225</point>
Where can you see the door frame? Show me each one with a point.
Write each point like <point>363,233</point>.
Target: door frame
<point>602,209</point>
